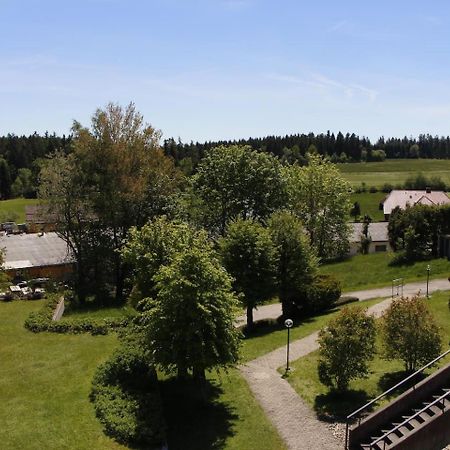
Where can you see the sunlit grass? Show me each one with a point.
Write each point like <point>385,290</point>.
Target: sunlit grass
<point>373,270</point>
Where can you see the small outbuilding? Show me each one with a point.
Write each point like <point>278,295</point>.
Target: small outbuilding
<point>378,232</point>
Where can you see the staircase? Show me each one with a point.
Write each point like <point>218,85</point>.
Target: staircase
<point>419,419</point>
<point>404,429</point>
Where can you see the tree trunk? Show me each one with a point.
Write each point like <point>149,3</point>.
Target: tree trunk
<point>181,373</point>
<point>250,322</point>
<point>199,376</point>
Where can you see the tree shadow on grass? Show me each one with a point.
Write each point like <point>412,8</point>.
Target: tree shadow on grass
<point>267,326</point>
<point>389,380</point>
<point>336,406</point>
<point>195,421</point>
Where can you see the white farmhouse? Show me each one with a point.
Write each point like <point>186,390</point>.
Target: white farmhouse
<point>405,198</point>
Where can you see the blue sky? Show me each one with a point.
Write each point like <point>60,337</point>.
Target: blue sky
<point>219,69</point>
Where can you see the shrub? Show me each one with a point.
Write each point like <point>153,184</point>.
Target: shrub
<point>410,333</point>
<point>321,294</point>
<point>126,398</point>
<point>347,345</point>
<point>373,189</point>
<point>387,187</point>
<point>42,321</point>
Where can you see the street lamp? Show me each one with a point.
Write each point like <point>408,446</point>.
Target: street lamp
<point>288,324</point>
<point>428,278</point>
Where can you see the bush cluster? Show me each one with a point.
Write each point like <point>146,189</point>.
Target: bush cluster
<point>409,333</point>
<point>42,321</point>
<point>126,398</point>
<point>321,294</point>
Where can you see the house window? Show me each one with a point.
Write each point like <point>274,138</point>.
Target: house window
<point>381,248</point>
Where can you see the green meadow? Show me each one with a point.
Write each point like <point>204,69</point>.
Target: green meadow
<point>45,380</point>
<point>373,270</point>
<point>14,210</point>
<point>394,171</point>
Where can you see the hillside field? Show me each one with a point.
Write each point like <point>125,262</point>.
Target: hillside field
<point>394,171</point>
<point>14,210</point>
<point>373,270</point>
<point>369,204</point>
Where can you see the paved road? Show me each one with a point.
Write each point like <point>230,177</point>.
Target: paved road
<point>273,311</point>
<point>295,421</point>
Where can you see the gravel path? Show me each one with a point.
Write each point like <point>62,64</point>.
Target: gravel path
<point>295,421</point>
<point>273,311</point>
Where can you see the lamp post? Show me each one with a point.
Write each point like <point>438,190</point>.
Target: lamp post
<point>428,278</point>
<point>288,324</point>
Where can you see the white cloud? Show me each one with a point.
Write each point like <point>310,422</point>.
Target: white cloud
<point>327,85</point>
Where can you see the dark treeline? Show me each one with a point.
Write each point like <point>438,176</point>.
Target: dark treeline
<point>19,156</point>
<point>339,147</point>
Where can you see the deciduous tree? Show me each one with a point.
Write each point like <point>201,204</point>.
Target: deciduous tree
<point>347,345</point>
<point>250,257</point>
<point>115,177</point>
<point>190,323</point>
<point>236,181</point>
<point>410,332</point>
<point>296,262</point>
<point>319,196</point>
<point>154,245</point>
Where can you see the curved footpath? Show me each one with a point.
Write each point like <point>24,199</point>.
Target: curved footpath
<point>295,421</point>
<point>274,310</point>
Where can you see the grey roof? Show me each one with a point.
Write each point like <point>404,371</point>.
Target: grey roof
<point>34,250</point>
<point>378,231</point>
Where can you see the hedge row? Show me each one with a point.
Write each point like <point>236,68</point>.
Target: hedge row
<point>42,321</point>
<point>126,399</point>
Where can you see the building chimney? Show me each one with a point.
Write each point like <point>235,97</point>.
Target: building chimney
<point>428,190</point>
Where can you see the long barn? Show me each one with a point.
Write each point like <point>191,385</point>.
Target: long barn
<point>36,255</point>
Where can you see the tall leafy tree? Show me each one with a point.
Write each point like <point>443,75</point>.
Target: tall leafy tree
<point>296,261</point>
<point>154,245</point>
<point>115,177</point>
<point>190,323</point>
<point>234,182</point>
<point>250,257</point>
<point>320,197</point>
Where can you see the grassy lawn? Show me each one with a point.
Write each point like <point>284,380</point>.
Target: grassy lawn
<point>267,338</point>
<point>45,381</point>
<point>383,374</point>
<point>369,204</point>
<point>394,171</point>
<point>15,208</point>
<point>371,271</point>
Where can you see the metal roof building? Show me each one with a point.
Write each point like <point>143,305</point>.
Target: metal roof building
<point>36,250</point>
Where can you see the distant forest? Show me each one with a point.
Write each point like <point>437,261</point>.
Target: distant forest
<point>19,155</point>
<point>339,147</point>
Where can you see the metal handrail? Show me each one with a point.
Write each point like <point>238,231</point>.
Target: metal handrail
<point>385,435</point>
<point>354,413</point>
